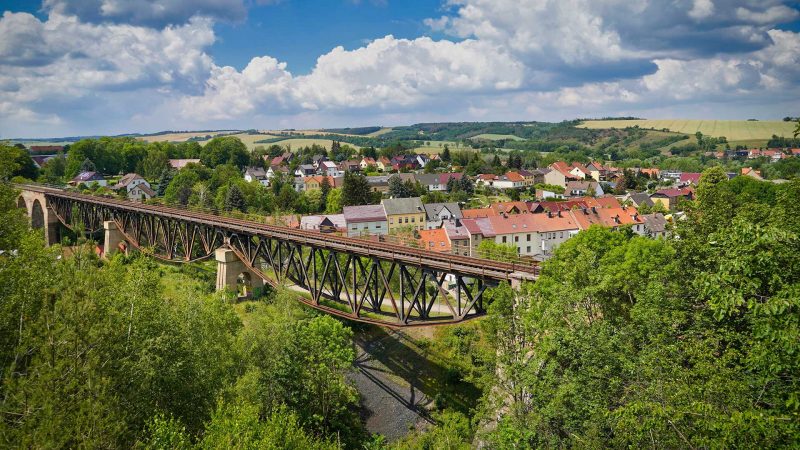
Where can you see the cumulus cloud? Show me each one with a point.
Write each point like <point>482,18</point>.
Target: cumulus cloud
<point>387,73</point>
<point>155,13</point>
<point>118,65</point>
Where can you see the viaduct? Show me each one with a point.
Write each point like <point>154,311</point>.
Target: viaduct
<point>376,282</point>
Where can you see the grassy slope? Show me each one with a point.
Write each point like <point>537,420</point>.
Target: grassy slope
<point>497,137</point>
<point>734,130</point>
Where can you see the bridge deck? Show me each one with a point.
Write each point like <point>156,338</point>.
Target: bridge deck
<point>469,266</point>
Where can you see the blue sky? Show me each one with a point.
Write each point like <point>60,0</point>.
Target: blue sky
<point>71,67</point>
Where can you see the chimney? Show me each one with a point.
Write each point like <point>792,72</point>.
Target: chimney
<point>549,214</point>
<point>585,211</point>
<point>559,213</point>
<point>594,209</point>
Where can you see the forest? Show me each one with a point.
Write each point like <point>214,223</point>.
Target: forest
<point>623,341</point>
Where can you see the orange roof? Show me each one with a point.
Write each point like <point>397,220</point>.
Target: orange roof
<point>532,223</point>
<point>514,176</point>
<point>435,240</point>
<point>581,167</point>
<point>505,207</point>
<point>477,213</point>
<point>650,172</point>
<point>487,176</point>
<point>607,217</point>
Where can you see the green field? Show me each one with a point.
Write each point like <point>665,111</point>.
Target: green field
<point>434,147</point>
<point>497,137</point>
<point>300,142</point>
<point>733,130</point>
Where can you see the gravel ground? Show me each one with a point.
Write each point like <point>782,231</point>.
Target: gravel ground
<point>391,405</point>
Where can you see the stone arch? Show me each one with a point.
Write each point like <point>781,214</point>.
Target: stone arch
<point>37,215</point>
<point>21,203</point>
<point>244,284</point>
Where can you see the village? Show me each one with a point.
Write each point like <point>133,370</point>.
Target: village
<point>521,213</point>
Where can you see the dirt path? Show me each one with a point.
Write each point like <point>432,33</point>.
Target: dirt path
<point>392,402</point>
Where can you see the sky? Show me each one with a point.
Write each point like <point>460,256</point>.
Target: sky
<point>91,67</point>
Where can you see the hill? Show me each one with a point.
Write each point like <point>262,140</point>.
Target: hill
<point>733,130</point>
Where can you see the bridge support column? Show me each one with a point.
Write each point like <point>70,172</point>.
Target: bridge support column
<point>229,269</point>
<point>51,227</point>
<point>517,278</point>
<point>112,239</point>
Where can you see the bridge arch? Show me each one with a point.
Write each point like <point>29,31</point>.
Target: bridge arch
<point>37,215</point>
<point>22,204</point>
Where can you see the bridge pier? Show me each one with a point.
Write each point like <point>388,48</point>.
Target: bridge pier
<point>112,238</point>
<point>517,278</point>
<point>229,270</point>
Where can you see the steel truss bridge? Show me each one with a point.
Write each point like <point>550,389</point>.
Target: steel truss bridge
<point>376,282</point>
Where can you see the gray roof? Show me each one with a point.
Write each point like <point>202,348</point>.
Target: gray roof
<point>655,222</point>
<point>427,179</point>
<point>256,172</point>
<point>432,210</point>
<point>641,198</point>
<point>126,180</point>
<point>364,213</point>
<point>88,176</point>
<point>411,205</point>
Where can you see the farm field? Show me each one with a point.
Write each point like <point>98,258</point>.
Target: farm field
<point>497,137</point>
<point>380,132</point>
<point>300,142</point>
<point>181,137</point>
<point>733,130</point>
<point>434,147</point>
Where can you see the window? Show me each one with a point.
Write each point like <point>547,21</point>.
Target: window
<point>412,219</point>
<point>391,221</point>
<point>516,238</point>
<point>529,249</point>
<point>406,219</point>
<point>442,243</point>
<point>377,225</point>
<point>561,235</point>
<point>504,239</point>
<point>529,239</point>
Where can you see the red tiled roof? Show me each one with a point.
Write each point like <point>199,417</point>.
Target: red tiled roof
<point>690,177</point>
<point>514,176</point>
<point>435,240</point>
<point>478,213</point>
<point>504,207</point>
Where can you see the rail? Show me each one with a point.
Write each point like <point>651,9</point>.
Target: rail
<point>455,263</point>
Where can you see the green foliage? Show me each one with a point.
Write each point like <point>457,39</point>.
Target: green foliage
<point>234,199</point>
<point>356,190</point>
<point>15,162</point>
<point>630,342</point>
<point>490,249</point>
<point>225,150</point>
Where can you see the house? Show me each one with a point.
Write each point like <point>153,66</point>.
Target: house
<point>316,160</point>
<point>379,183</point>
<point>486,179</point>
<point>596,171</point>
<point>613,217</point>
<point>40,160</point>
<point>459,237</point>
<point>674,175</point>
<point>655,225</point>
<point>278,161</point>
<point>773,154</point>
<point>689,178</point>
<point>365,220</point>
<point>52,149</point>
<point>533,235</point>
<point>750,172</point>
<point>544,194</point>
<point>581,188</point>
<point>326,223</point>
<point>383,163</point>
<point>404,212</point>
<point>350,166</point>
<point>651,172</point>
<point>405,162</point>
<point>315,182</point>
<point>435,240</point>
<point>639,199</point>
<point>438,213</point>
<point>669,198</point>
<point>367,162</point>
<point>436,181</point>
<point>511,180</point>
<point>557,178</point>
<point>88,178</point>
<point>256,174</point>
<point>422,160</point>
<point>575,171</point>
<point>273,171</point>
<point>135,186</point>
<point>795,152</point>
<point>753,153</point>
<point>330,169</point>
<point>530,177</point>
<point>305,170</point>
<point>179,164</point>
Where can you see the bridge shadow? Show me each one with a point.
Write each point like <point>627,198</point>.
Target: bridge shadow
<point>393,367</point>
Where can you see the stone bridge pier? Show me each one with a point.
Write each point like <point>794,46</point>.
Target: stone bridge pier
<point>40,215</point>
<point>233,274</point>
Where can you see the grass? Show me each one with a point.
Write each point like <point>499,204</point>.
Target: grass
<point>734,130</point>
<point>497,137</point>
<point>300,142</point>
<point>435,147</point>
<point>380,132</point>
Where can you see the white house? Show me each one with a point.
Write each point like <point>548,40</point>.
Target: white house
<point>136,187</point>
<point>256,174</point>
<point>329,168</point>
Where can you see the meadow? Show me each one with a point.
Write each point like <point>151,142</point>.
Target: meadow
<point>733,130</point>
<point>497,137</point>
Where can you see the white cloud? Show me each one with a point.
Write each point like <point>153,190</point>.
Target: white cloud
<point>701,9</point>
<point>387,73</point>
<point>156,13</point>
